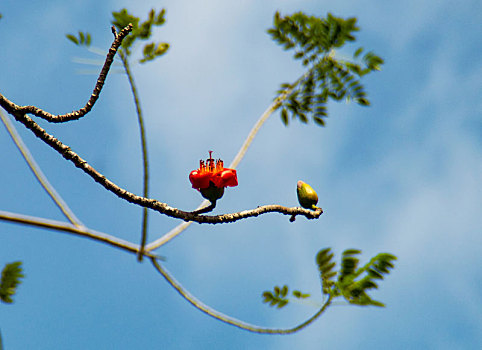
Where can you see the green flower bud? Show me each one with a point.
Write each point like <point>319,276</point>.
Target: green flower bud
<point>306,196</point>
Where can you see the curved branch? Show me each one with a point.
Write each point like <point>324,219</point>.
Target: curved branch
<point>153,204</point>
<point>13,108</point>
<point>230,320</point>
<point>65,227</point>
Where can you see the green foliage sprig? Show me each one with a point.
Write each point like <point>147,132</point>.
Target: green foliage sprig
<point>142,31</point>
<point>314,41</point>
<point>352,283</point>
<point>279,296</point>
<point>11,275</point>
<point>82,39</point>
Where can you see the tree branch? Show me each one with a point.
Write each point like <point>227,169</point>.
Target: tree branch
<point>65,227</point>
<point>153,204</point>
<point>14,109</point>
<point>145,159</point>
<point>20,115</point>
<point>230,320</point>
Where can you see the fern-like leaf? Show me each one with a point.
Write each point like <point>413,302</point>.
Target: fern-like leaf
<point>277,297</point>
<point>11,275</point>
<point>141,30</point>
<point>314,41</point>
<point>324,260</point>
<point>354,282</point>
<point>82,39</point>
<point>349,264</point>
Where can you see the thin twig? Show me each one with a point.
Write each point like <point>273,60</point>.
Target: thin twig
<point>39,175</point>
<point>145,159</point>
<point>66,227</point>
<point>10,107</point>
<point>168,236</point>
<point>230,320</point>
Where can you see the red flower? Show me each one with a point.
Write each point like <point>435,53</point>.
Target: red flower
<point>213,174</point>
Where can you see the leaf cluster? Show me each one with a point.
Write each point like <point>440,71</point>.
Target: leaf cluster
<point>353,282</point>
<point>142,31</point>
<point>11,275</point>
<point>82,38</point>
<point>314,41</point>
<point>350,282</point>
<point>279,296</point>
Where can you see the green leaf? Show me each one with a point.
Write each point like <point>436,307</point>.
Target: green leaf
<point>72,38</point>
<point>277,297</point>
<point>267,297</point>
<point>282,303</point>
<point>349,263</point>
<point>302,117</point>
<point>11,275</point>
<point>298,54</point>
<point>124,18</point>
<point>353,288</point>
<point>319,121</point>
<point>161,49</point>
<point>299,295</point>
<point>284,116</point>
<point>151,51</point>
<point>160,19</point>
<point>148,48</point>
<point>324,260</point>
<point>363,102</point>
<point>83,39</point>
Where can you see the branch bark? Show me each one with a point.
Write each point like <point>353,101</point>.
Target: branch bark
<point>153,204</point>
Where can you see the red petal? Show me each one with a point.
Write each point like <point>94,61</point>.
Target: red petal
<point>229,178</point>
<point>199,180</point>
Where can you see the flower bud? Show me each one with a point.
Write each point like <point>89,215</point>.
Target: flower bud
<point>306,196</point>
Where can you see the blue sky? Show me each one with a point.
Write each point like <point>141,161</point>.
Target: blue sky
<point>403,176</point>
